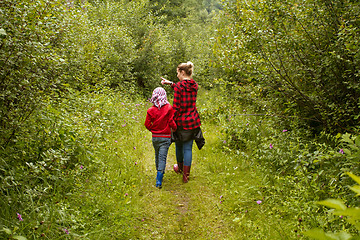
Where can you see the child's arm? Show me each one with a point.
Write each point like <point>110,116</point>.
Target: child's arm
<point>171,121</point>
<point>173,125</point>
<point>148,122</point>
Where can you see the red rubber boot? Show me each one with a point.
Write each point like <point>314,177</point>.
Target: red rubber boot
<point>178,168</point>
<point>186,174</point>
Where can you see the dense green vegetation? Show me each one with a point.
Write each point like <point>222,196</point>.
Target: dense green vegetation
<point>302,57</point>
<point>279,102</point>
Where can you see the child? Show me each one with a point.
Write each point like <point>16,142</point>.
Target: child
<point>160,121</point>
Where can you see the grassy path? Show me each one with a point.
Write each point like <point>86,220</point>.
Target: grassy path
<point>221,200</point>
<point>178,210</point>
<point>195,210</point>
<point>111,191</point>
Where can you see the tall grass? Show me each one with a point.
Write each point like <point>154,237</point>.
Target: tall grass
<point>257,177</point>
<point>294,168</point>
<point>77,177</point>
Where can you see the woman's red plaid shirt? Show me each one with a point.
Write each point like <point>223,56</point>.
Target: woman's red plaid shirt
<point>186,115</point>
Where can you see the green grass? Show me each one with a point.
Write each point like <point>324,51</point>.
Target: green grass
<point>219,202</point>
<point>110,193</point>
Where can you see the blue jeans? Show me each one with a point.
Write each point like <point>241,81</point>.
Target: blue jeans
<point>161,147</point>
<point>184,152</point>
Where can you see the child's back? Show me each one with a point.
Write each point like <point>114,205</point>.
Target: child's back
<point>160,121</point>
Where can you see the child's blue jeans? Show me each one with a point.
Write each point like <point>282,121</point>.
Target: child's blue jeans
<point>184,152</point>
<point>161,147</point>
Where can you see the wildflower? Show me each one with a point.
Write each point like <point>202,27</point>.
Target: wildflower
<point>19,217</point>
<point>221,196</point>
<point>134,148</point>
<point>143,219</point>
<point>247,124</point>
<point>126,194</point>
<point>81,166</point>
<point>135,163</point>
<point>66,231</point>
<point>259,202</point>
<point>116,141</point>
<point>285,130</point>
<point>341,151</point>
<point>137,104</point>
<point>271,146</point>
<point>123,125</point>
<point>224,141</point>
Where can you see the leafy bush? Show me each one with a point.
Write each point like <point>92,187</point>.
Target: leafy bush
<point>48,170</point>
<point>300,55</point>
<point>296,168</point>
<point>352,215</point>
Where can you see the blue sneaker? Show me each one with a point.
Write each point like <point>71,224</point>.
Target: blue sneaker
<point>159,178</point>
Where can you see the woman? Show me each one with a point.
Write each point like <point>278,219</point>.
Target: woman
<point>186,118</point>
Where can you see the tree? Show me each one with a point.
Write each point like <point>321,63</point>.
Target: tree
<point>301,55</point>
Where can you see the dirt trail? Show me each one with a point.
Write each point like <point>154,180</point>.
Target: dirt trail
<point>178,210</point>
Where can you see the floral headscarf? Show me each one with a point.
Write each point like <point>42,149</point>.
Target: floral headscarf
<point>159,98</point>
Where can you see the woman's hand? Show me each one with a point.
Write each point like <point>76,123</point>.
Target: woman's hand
<point>165,81</point>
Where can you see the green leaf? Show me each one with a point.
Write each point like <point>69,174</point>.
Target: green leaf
<point>354,177</point>
<point>321,235</point>
<point>318,234</point>
<point>2,32</point>
<point>333,203</point>
<point>356,189</point>
<point>19,238</point>
<point>357,141</point>
<point>342,235</point>
<point>7,231</point>
<point>347,138</point>
<point>347,151</point>
<point>354,213</point>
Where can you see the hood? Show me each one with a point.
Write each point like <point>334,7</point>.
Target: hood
<point>159,98</point>
<point>190,85</point>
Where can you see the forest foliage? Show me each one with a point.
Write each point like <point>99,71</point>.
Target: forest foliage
<point>301,57</point>
<point>60,63</point>
<point>64,64</point>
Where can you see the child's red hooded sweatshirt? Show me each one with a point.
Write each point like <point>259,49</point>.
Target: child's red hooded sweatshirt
<point>160,121</point>
<point>160,117</point>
